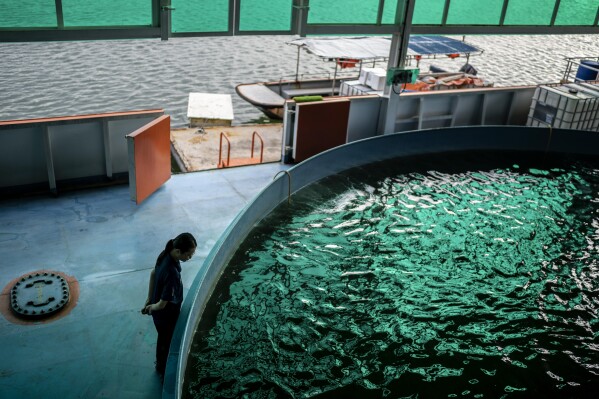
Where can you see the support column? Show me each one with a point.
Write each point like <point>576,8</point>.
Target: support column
<point>59,15</point>
<point>49,159</point>
<point>165,19</point>
<point>234,17</point>
<point>299,17</point>
<point>155,13</point>
<point>107,147</point>
<point>397,57</point>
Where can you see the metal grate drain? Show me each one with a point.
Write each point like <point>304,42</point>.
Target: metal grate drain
<point>39,295</point>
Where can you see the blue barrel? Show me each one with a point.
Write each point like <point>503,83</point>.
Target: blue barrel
<point>585,73</point>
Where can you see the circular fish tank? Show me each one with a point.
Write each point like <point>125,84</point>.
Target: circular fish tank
<point>453,262</point>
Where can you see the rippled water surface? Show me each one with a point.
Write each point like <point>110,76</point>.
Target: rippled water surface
<point>46,79</point>
<point>402,281</point>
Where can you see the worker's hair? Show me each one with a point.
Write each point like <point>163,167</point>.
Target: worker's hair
<point>183,242</point>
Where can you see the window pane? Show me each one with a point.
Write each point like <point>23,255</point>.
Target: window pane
<point>474,12</point>
<point>343,11</point>
<point>107,12</point>
<point>529,12</point>
<point>389,11</point>
<point>577,12</point>
<point>28,14</point>
<point>428,12</point>
<point>200,15</point>
<point>265,15</point>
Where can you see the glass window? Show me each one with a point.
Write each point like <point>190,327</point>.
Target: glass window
<point>474,12</point>
<point>529,12</point>
<point>389,11</point>
<point>28,14</point>
<point>428,12</point>
<point>107,13</point>
<point>200,15</point>
<point>577,12</point>
<point>265,15</point>
<point>343,11</point>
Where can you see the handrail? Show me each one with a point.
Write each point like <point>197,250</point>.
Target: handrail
<point>220,149</point>
<point>316,75</point>
<point>289,186</point>
<point>311,76</point>
<point>222,163</point>
<point>571,61</point>
<point>261,146</point>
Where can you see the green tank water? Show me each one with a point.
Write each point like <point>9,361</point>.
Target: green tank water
<point>413,279</point>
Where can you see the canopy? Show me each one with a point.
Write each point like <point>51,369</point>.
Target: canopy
<point>364,48</point>
<point>359,48</point>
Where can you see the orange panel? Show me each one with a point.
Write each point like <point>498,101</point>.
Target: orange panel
<point>321,126</point>
<point>152,152</point>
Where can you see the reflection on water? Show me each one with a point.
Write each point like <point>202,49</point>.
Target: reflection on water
<point>396,281</point>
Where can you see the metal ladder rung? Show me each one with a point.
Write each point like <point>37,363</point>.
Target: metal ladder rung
<point>230,162</point>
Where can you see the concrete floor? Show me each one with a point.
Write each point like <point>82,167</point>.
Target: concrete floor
<point>201,151</point>
<point>104,348</point>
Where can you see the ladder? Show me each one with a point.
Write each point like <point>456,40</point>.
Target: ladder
<point>230,162</point>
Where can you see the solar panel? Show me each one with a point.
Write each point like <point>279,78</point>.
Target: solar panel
<point>379,47</point>
<point>433,45</point>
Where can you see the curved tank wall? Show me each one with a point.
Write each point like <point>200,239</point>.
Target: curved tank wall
<point>358,153</point>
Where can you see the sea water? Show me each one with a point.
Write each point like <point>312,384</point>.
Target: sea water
<point>475,277</point>
<point>46,79</point>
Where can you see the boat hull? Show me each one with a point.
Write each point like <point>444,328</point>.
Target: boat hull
<point>276,113</point>
<point>270,97</point>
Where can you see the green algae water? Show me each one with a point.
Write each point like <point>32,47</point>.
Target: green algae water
<point>414,279</point>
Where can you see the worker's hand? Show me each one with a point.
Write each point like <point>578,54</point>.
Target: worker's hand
<point>146,309</point>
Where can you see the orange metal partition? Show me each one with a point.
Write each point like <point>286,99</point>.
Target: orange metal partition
<point>320,126</point>
<point>149,158</point>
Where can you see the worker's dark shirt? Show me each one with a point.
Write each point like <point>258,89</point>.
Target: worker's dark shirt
<point>169,287</point>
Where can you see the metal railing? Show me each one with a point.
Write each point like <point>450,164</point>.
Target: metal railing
<point>288,184</point>
<point>221,162</point>
<point>261,146</point>
<point>574,64</point>
<point>315,76</point>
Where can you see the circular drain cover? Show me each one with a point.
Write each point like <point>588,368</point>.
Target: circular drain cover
<point>39,295</point>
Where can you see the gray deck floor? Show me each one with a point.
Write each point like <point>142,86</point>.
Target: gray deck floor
<point>104,348</point>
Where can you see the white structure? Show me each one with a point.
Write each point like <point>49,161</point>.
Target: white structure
<point>205,109</point>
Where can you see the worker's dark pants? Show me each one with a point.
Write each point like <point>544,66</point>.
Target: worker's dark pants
<point>165,327</point>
